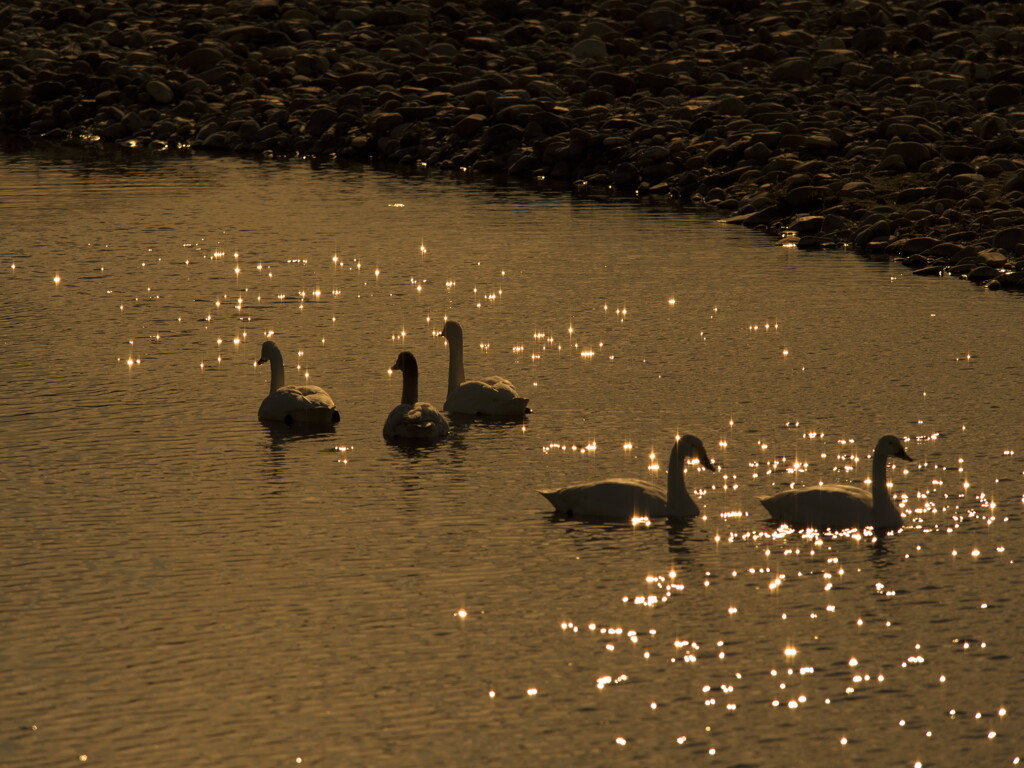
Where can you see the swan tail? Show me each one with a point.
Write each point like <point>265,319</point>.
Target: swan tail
<point>553,497</point>
<point>766,502</point>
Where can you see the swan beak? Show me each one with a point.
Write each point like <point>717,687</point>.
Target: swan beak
<point>902,454</point>
<point>708,464</point>
<point>261,361</point>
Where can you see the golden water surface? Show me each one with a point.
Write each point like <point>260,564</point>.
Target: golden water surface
<point>181,585</point>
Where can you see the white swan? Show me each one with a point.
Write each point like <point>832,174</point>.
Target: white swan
<point>843,506</point>
<point>493,396</point>
<point>619,499</point>
<point>293,405</point>
<point>412,420</point>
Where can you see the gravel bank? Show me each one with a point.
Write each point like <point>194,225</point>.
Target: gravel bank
<point>895,127</point>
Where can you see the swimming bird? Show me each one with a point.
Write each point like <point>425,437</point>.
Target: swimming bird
<point>293,405</point>
<point>413,420</point>
<point>843,506</point>
<point>624,499</point>
<point>492,396</point>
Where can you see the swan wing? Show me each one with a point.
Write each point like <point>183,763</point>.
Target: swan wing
<point>480,398</point>
<point>823,506</point>
<point>420,421</point>
<point>612,499</point>
<point>303,403</point>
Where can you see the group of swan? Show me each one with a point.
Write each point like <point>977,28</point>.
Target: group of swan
<point>823,506</point>
<point>492,396</point>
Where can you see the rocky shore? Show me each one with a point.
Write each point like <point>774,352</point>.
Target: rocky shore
<point>894,127</point>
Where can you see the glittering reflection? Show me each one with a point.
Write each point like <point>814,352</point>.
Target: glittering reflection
<point>202,561</point>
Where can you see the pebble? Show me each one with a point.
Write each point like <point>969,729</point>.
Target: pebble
<point>895,127</point>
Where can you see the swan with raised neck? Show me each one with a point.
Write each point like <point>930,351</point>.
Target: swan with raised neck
<point>413,420</point>
<point>302,404</point>
<point>490,396</point>
<point>625,499</point>
<point>843,506</point>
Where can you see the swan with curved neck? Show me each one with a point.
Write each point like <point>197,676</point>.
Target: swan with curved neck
<point>491,396</point>
<point>293,404</point>
<point>843,506</point>
<point>413,420</point>
<point>624,499</point>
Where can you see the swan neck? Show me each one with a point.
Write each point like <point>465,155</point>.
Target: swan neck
<point>884,510</point>
<point>410,387</point>
<point>276,370</point>
<point>676,480</point>
<point>456,369</point>
<point>879,486</point>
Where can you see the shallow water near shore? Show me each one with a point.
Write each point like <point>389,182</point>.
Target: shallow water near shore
<point>184,585</point>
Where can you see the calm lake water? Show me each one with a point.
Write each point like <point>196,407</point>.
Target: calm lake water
<point>181,585</point>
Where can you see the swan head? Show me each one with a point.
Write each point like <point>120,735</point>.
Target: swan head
<point>406,363</point>
<point>452,331</point>
<point>890,445</point>
<point>691,447</point>
<point>267,352</point>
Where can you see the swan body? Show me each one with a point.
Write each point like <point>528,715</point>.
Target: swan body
<point>293,405</point>
<point>491,396</point>
<point>624,499</point>
<point>413,420</point>
<point>843,506</point>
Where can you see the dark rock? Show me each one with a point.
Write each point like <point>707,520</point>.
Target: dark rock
<point>982,274</point>
<point>912,195</point>
<point>620,84</point>
<point>804,199</point>
<point>48,90</point>
<point>625,176</point>
<point>915,262</point>
<point>1007,239</point>
<point>878,231</point>
<point>1015,184</point>
<point>807,225</point>
<point>469,126</point>
<point>810,243</point>
<point>201,59</point>
<point>159,91</point>
<point>793,70</point>
<point>918,245</point>
<point>913,153</point>
<point>1002,95</point>
<point>993,258</point>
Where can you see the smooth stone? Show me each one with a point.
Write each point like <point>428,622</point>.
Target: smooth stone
<point>590,48</point>
<point>1015,183</point>
<point>878,231</point>
<point>983,273</point>
<point>159,91</point>
<point>1007,239</point>
<point>1002,95</point>
<point>793,70</point>
<point>918,245</point>
<point>913,153</point>
<point>469,125</point>
<point>917,261</point>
